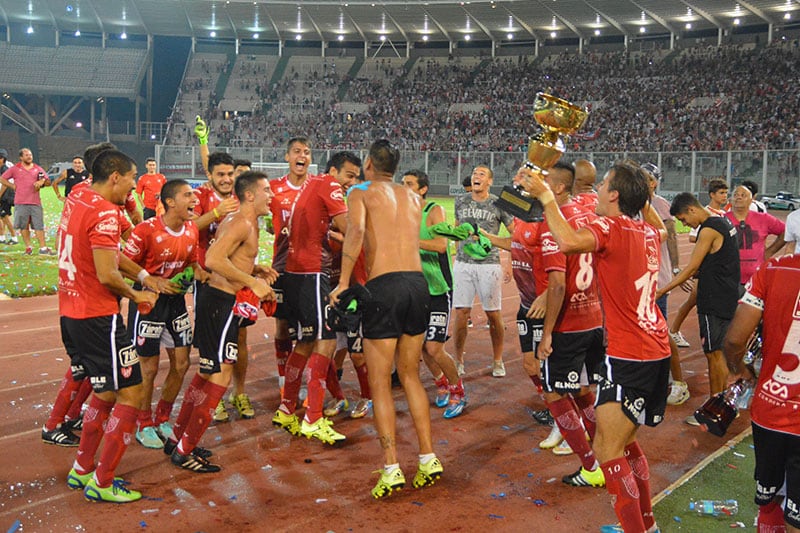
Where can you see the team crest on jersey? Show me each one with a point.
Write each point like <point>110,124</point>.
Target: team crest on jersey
<point>131,247</point>
<point>231,351</point>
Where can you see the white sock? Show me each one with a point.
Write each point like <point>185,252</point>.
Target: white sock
<point>388,469</point>
<point>426,458</point>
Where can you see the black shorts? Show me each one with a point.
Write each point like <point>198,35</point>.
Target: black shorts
<point>439,318</point>
<point>575,360</point>
<point>529,329</point>
<point>6,208</point>
<point>712,331</point>
<point>168,320</point>
<point>354,341</point>
<point>400,306</point>
<point>304,297</point>
<point>216,329</point>
<point>640,387</point>
<point>148,213</point>
<point>78,372</point>
<point>102,346</point>
<point>778,466</point>
<point>280,309</point>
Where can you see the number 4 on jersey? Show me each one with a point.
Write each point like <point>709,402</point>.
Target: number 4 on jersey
<point>65,257</point>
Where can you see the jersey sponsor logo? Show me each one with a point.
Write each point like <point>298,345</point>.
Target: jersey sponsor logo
<point>131,248</point>
<point>150,330</point>
<point>566,385</point>
<point>522,328</point>
<point>172,265</point>
<point>573,377</point>
<point>108,226</point>
<point>438,319</point>
<point>206,363</point>
<point>107,212</point>
<point>128,356</point>
<point>182,323</point>
<point>578,297</point>
<point>549,246</point>
<point>337,195</point>
<point>97,381</point>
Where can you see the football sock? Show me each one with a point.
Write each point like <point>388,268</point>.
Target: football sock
<point>194,394</point>
<point>93,420</point>
<point>201,417</point>
<point>332,381</point>
<point>622,486</point>
<point>283,348</point>
<point>119,428</point>
<point>144,418</point>
<point>569,423</point>
<point>770,518</point>
<point>363,381</point>
<point>83,392</point>
<point>319,365</point>
<point>163,411</point>
<point>537,381</point>
<point>294,379</point>
<point>585,405</point>
<point>66,393</point>
<point>641,473</point>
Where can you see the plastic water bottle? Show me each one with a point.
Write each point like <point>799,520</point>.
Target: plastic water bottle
<point>717,508</point>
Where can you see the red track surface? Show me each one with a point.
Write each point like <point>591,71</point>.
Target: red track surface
<point>271,481</point>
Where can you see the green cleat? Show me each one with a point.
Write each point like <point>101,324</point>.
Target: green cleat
<point>428,473</point>
<point>79,481</point>
<point>288,422</point>
<point>243,406</point>
<point>388,483</point>
<point>323,430</point>
<point>116,493</point>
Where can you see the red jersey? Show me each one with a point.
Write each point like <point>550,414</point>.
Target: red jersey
<point>581,309</point>
<point>587,200</point>
<point>160,250</point>
<point>532,241</point>
<point>359,274</point>
<point>626,261</point>
<point>284,194</point>
<point>130,204</point>
<point>775,289</point>
<point>207,200</point>
<point>320,199</point>
<point>149,188</point>
<point>89,222</point>
<point>522,260</point>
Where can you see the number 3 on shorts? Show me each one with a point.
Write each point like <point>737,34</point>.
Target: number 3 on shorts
<point>65,257</point>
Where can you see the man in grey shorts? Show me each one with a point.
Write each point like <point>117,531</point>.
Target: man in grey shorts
<point>27,178</point>
<point>483,277</point>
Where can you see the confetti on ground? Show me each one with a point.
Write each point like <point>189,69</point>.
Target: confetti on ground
<point>232,497</point>
<point>15,526</point>
<point>505,428</point>
<point>146,511</point>
<point>418,504</point>
<point>212,504</point>
<point>551,480</point>
<point>266,467</point>
<point>677,519</point>
<point>732,466</point>
<point>175,511</point>
<point>502,475</point>
<point>737,454</point>
<point>539,503</point>
<point>738,525</point>
<point>496,516</point>
<point>142,524</point>
<point>321,500</point>
<point>530,474</point>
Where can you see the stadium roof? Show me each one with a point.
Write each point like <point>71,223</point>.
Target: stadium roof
<point>397,20</point>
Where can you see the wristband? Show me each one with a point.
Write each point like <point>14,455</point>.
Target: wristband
<point>142,275</point>
<point>547,197</point>
<point>216,213</point>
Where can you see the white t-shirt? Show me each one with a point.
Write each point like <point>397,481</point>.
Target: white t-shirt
<point>792,233</point>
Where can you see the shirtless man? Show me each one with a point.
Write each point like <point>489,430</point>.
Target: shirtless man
<point>231,258</point>
<point>384,218</point>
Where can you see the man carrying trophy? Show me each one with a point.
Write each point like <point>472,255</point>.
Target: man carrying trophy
<point>634,374</point>
<point>773,293</point>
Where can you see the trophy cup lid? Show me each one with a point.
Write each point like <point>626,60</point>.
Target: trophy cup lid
<point>557,114</point>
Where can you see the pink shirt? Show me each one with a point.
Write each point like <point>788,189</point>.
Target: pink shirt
<point>752,235</point>
<point>26,193</point>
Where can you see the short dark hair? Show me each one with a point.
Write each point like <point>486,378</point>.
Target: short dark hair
<point>422,178</point>
<point>717,184</point>
<point>170,189</point>
<point>569,167</point>
<point>301,140</point>
<point>93,151</point>
<point>682,202</point>
<point>384,156</point>
<point>338,160</point>
<point>153,159</point>
<point>467,182</point>
<point>242,163</point>
<point>632,185</point>
<point>109,161</point>
<point>74,157</point>
<point>246,181</point>
<point>219,158</point>
<point>751,186</point>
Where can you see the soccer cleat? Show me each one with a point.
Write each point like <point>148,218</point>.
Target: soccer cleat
<point>611,528</point>
<point>79,481</point>
<point>28,250</point>
<point>678,393</point>
<point>61,437</point>
<point>692,421</point>
<point>170,445</point>
<point>242,404</point>
<point>552,440</point>
<point>322,430</point>
<point>13,240</point>
<point>456,406</point>
<point>388,483</point>
<point>288,422</point>
<point>164,431</point>
<point>563,448</point>
<point>336,407</point>
<point>46,251</point>
<point>116,493</point>
<point>442,396</point>
<point>75,424</point>
<point>680,340</point>
<point>194,463</point>
<point>428,473</point>
<point>543,417</point>
<point>498,369</point>
<point>586,478</point>
<point>361,409</point>
<point>148,437</point>
<point>220,414</point>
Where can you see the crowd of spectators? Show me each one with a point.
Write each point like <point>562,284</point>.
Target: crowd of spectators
<point>737,97</point>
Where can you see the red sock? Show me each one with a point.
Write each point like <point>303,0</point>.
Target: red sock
<point>537,381</point>
<point>442,381</point>
<point>319,365</point>
<point>144,418</point>
<point>363,381</point>
<point>569,422</point>
<point>163,411</point>
<point>620,483</point>
<point>641,473</point>
<point>83,392</point>
<point>119,429</point>
<point>457,389</point>
<point>294,378</point>
<point>283,349</point>
<point>194,395</point>
<point>770,518</point>
<point>66,393</point>
<point>332,381</point>
<point>93,421</point>
<point>200,418</point>
<point>585,406</point>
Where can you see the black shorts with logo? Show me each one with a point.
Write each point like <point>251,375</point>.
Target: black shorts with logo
<point>575,360</point>
<point>778,465</point>
<point>439,318</point>
<point>168,318</point>
<point>640,387</point>
<point>280,309</point>
<point>712,331</point>
<point>400,305</point>
<point>102,346</point>
<point>216,329</point>
<point>304,304</point>
<point>529,330</point>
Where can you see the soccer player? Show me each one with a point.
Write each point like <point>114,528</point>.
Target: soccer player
<point>773,294</point>
<point>435,254</point>
<point>164,246</point>
<point>482,277</point>
<point>231,258</point>
<point>70,177</point>
<point>90,283</point>
<point>583,192</point>
<point>148,189</point>
<point>318,206</point>
<point>384,219</point>
<point>632,386</point>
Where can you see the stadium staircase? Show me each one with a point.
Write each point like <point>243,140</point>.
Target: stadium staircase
<point>225,75</point>
<point>408,66</point>
<point>478,68</point>
<point>280,69</point>
<point>351,75</point>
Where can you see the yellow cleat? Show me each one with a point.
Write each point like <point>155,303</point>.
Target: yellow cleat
<point>428,473</point>
<point>388,483</point>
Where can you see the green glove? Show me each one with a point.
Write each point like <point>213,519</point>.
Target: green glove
<point>183,279</point>
<point>201,129</point>
<point>457,234</point>
<point>353,306</point>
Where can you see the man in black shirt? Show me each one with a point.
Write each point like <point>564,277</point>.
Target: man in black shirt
<point>715,259</point>
<point>71,177</point>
